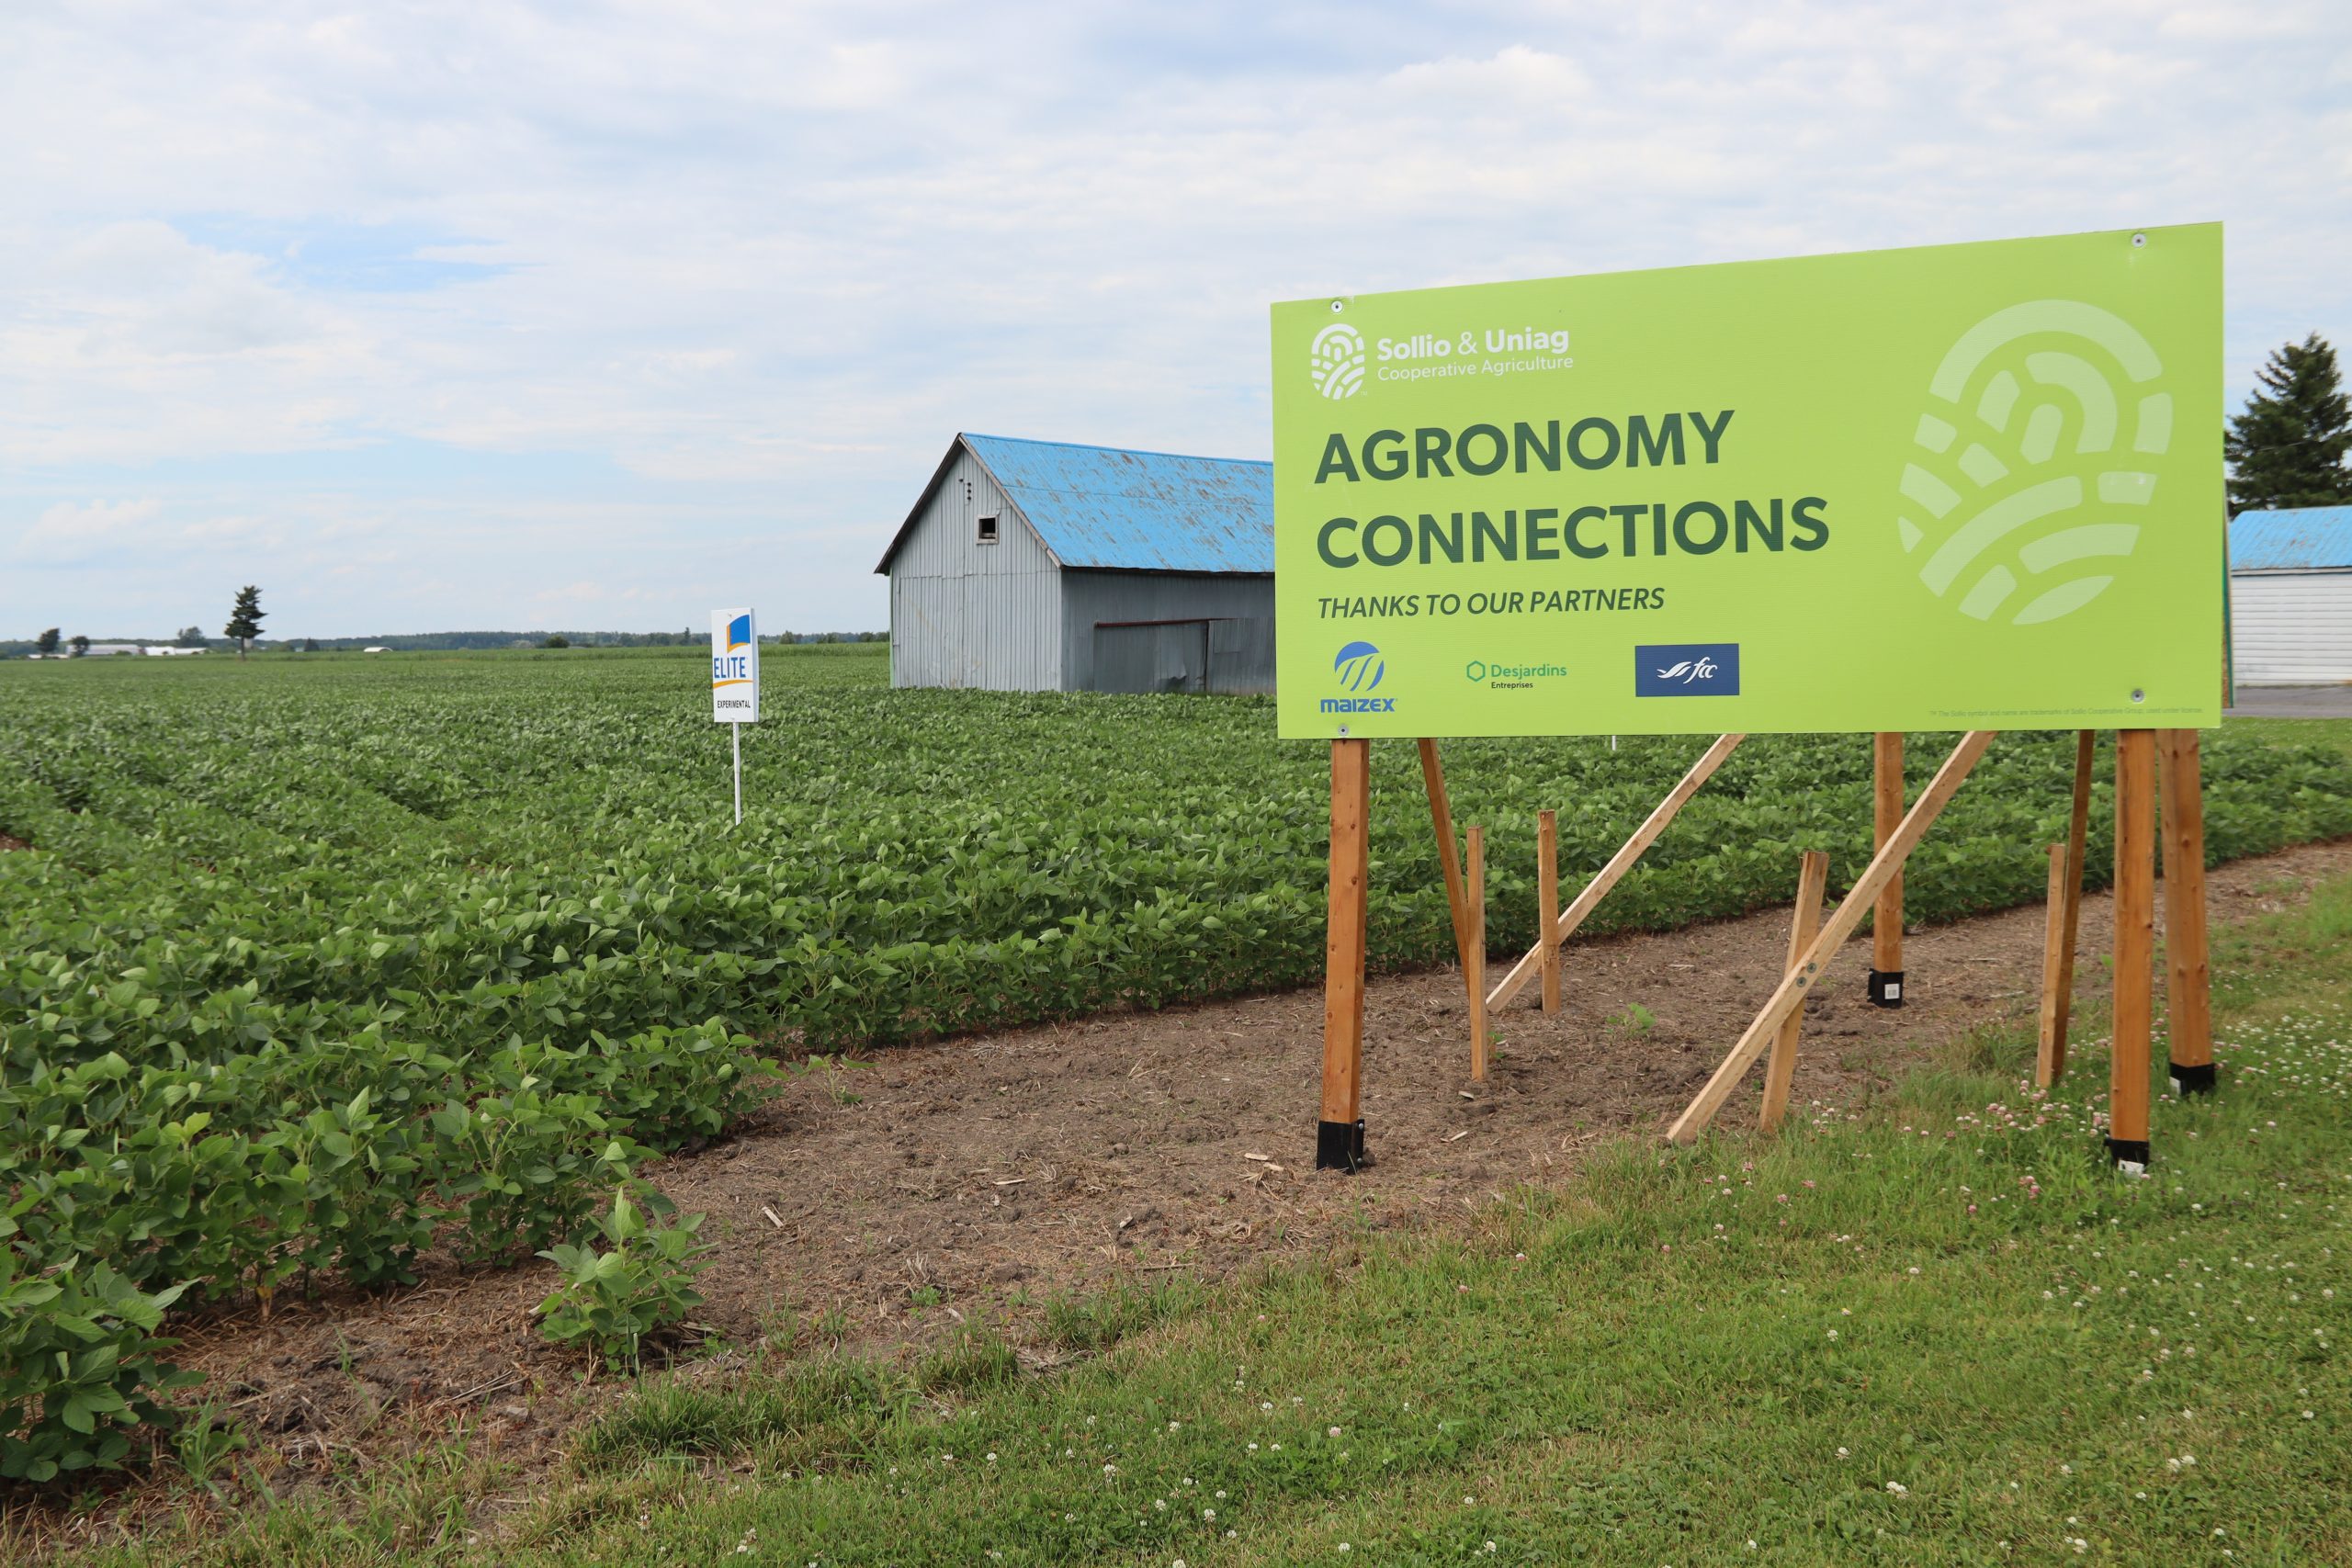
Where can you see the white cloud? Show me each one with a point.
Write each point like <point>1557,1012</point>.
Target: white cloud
<point>753,264</point>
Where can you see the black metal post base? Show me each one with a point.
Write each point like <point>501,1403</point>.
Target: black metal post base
<point>2129,1154</point>
<point>1339,1146</point>
<point>1886,987</point>
<point>2198,1080</point>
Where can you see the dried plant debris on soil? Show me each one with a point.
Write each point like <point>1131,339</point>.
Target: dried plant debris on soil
<point>893,1199</point>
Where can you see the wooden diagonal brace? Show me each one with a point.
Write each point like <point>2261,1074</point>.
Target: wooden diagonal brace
<point>1800,979</point>
<point>1449,858</point>
<point>1618,864</point>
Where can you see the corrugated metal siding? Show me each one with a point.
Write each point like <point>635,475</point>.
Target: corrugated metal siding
<point>1170,656</point>
<point>1241,654</point>
<point>965,614</point>
<point>1241,657</point>
<point>1103,508</point>
<point>2291,629</point>
<point>2302,539</point>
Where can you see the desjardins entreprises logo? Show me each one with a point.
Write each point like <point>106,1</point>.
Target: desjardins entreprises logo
<point>1510,677</point>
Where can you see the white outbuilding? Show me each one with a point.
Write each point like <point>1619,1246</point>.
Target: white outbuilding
<point>2291,596</point>
<point>1040,566</point>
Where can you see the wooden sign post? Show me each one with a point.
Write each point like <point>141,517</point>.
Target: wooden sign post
<point>2135,946</point>
<point>1885,988</point>
<point>1547,899</point>
<point>2188,983</point>
<point>1475,969</point>
<point>2064,919</point>
<point>1338,1136</point>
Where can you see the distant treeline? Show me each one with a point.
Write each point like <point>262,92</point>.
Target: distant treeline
<point>443,641</point>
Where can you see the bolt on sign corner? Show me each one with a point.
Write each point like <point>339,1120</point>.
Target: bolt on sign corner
<point>1962,487</point>
<point>734,668</point>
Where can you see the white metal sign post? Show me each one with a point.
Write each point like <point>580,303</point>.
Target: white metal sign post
<point>735,682</point>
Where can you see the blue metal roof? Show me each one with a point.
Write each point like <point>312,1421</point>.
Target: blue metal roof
<point>2300,538</point>
<point>1110,510</point>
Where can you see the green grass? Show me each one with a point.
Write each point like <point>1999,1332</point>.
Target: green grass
<point>1679,1353</point>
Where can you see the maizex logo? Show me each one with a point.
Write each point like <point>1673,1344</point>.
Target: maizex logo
<point>1335,361</point>
<point>1360,668</point>
<point>1686,669</point>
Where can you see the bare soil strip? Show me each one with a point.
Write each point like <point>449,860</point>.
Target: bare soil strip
<point>929,1185</point>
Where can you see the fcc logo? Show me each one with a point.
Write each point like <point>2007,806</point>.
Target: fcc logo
<point>1687,670</point>
<point>1335,362</point>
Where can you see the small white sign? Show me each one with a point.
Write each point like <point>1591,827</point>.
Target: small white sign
<point>734,668</point>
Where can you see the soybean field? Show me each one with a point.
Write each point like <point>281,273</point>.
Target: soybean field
<point>313,964</point>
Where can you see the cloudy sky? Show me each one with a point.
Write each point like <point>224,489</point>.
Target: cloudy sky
<point>471,315</point>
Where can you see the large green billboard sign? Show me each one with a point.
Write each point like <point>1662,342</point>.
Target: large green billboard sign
<point>1957,488</point>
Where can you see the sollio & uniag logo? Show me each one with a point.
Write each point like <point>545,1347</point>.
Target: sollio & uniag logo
<point>1360,668</point>
<point>1335,362</point>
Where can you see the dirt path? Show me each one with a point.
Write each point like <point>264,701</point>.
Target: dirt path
<point>1048,1159</point>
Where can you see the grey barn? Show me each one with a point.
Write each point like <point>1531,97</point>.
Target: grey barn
<point>1038,566</point>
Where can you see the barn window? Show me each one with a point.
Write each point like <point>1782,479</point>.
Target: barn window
<point>987,530</point>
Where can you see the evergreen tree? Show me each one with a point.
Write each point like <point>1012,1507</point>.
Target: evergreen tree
<point>2287,448</point>
<point>244,617</point>
<point>45,642</point>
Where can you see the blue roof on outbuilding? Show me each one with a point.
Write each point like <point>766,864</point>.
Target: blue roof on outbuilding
<point>1107,509</point>
<point>2300,539</point>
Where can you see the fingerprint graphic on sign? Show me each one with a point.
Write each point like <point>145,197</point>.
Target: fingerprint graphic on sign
<point>1335,362</point>
<point>2023,501</point>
